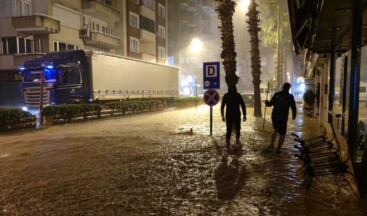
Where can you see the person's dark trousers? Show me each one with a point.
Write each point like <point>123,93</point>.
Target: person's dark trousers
<point>237,123</point>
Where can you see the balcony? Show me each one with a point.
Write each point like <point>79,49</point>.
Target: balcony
<point>100,40</point>
<point>148,57</point>
<point>147,12</point>
<point>35,24</point>
<point>101,10</point>
<point>19,59</point>
<point>147,37</point>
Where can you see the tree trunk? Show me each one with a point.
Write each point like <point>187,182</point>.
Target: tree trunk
<point>253,28</point>
<point>225,10</point>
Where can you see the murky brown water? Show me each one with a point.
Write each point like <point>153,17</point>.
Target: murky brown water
<point>153,165</point>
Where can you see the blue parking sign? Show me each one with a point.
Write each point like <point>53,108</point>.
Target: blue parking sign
<point>211,78</point>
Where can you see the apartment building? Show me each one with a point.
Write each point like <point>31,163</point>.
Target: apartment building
<point>193,39</point>
<point>146,30</point>
<point>133,28</point>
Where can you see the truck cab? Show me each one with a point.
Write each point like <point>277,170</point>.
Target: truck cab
<point>63,81</point>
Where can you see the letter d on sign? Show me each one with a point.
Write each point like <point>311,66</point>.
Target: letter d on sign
<point>211,71</point>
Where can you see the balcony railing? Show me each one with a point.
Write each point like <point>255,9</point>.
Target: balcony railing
<point>147,12</point>
<point>101,10</point>
<point>36,24</point>
<point>146,36</point>
<point>100,40</point>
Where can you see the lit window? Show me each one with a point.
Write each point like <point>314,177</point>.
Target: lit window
<point>134,45</point>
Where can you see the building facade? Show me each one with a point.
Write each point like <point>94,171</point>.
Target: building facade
<point>133,28</point>
<point>193,39</point>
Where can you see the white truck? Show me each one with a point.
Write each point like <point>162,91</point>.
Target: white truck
<point>82,76</point>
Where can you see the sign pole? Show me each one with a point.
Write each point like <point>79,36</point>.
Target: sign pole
<point>211,81</point>
<point>211,120</point>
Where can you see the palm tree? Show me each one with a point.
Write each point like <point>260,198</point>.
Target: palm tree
<point>225,10</point>
<point>253,28</point>
<point>275,34</point>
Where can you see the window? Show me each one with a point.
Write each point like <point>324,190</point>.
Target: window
<point>25,45</point>
<point>148,3</point>
<point>68,75</point>
<point>14,45</point>
<point>59,46</point>
<point>95,26</point>
<point>147,24</point>
<point>171,60</point>
<point>161,52</point>
<point>161,31</point>
<point>22,7</point>
<point>134,20</point>
<point>134,45</point>
<point>206,25</point>
<point>161,11</point>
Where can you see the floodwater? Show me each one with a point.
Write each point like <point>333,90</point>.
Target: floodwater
<point>164,163</point>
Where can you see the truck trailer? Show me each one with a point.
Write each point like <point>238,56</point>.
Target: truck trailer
<point>82,76</point>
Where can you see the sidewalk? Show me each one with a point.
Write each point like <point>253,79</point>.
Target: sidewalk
<point>279,178</point>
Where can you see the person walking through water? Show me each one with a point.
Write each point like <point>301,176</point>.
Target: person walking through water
<point>233,101</point>
<point>281,101</point>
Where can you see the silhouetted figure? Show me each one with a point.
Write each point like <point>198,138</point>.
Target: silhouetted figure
<point>233,100</point>
<point>281,101</point>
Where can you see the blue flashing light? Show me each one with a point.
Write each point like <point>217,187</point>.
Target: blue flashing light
<point>90,99</point>
<point>22,68</point>
<point>50,66</point>
<point>49,73</point>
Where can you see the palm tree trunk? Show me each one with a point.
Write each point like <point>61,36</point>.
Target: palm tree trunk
<point>253,28</point>
<point>225,10</point>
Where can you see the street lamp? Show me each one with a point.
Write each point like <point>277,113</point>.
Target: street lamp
<point>244,5</point>
<point>195,47</point>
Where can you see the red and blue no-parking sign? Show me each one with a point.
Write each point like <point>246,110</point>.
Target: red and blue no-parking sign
<point>211,97</point>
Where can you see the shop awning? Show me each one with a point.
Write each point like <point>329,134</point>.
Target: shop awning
<point>319,25</point>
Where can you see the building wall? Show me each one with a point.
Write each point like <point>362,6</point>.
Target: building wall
<point>73,19</point>
<point>186,19</point>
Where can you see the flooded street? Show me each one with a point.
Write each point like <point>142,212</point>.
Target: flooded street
<point>164,163</point>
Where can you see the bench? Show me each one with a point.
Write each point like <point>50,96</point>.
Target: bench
<point>322,155</point>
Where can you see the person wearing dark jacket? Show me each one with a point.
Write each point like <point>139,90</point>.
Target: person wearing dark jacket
<point>233,101</point>
<point>281,101</point>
